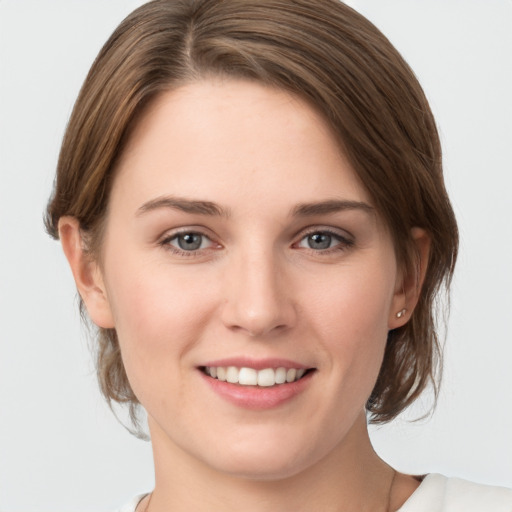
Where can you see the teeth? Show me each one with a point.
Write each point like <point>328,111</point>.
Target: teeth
<point>248,377</point>
<point>291,374</point>
<point>280,375</point>
<point>251,377</point>
<point>221,373</point>
<point>266,377</point>
<point>232,375</point>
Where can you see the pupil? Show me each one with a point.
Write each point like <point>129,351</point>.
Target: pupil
<point>189,242</point>
<point>319,241</point>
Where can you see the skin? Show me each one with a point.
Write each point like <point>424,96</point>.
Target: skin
<point>255,287</point>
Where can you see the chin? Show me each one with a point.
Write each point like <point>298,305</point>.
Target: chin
<point>267,461</point>
<point>263,470</point>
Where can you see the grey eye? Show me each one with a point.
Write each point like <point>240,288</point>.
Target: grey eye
<point>319,241</point>
<point>189,241</point>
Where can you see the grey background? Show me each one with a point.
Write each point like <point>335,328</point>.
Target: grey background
<point>60,447</point>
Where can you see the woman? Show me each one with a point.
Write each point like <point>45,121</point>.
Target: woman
<point>250,197</point>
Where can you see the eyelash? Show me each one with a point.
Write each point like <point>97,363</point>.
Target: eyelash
<point>166,244</point>
<point>344,243</point>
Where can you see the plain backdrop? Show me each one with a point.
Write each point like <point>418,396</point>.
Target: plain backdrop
<point>60,447</point>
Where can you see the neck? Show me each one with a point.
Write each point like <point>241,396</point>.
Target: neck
<point>350,478</point>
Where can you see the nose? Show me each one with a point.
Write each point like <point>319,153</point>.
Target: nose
<point>258,300</point>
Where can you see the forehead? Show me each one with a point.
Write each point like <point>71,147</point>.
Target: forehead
<point>223,139</point>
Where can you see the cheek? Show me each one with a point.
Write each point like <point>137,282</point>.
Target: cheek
<point>149,296</point>
<point>159,316</point>
<point>356,301</point>
<point>353,319</point>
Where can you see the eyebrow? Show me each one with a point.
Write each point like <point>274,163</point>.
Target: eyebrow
<point>329,207</point>
<point>213,209</point>
<point>184,205</point>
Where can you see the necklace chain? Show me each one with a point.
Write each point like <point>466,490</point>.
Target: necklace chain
<point>388,508</point>
<point>149,501</point>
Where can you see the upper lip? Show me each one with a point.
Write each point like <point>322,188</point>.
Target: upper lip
<point>257,364</point>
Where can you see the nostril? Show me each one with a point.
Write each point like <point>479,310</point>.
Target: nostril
<point>257,302</point>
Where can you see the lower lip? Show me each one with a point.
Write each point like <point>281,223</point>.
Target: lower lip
<point>255,397</point>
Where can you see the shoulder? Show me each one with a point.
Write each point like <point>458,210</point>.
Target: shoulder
<point>438,493</point>
<point>132,505</point>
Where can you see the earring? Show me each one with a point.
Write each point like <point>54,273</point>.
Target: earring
<point>401,313</point>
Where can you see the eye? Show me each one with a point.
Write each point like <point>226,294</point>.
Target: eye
<point>188,241</point>
<point>318,241</point>
<point>323,241</point>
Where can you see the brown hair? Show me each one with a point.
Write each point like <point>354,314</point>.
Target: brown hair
<point>332,57</point>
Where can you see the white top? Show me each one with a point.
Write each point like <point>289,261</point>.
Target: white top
<point>438,493</point>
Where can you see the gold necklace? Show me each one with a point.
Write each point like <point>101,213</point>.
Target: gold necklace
<point>388,508</point>
<point>149,501</point>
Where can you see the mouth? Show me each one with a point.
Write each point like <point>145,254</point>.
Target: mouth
<point>264,378</point>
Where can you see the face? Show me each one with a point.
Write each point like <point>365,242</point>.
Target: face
<point>241,251</point>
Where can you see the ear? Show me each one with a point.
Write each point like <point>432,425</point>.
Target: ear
<point>410,282</point>
<point>87,274</point>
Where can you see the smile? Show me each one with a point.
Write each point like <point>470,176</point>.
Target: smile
<point>245,376</point>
